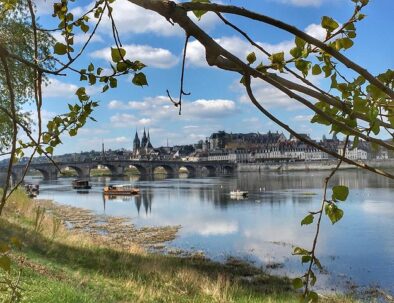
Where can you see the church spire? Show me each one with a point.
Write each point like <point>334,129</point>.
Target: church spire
<point>144,139</point>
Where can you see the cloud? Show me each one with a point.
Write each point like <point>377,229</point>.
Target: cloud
<point>159,108</point>
<point>241,48</point>
<point>237,46</point>
<point>316,31</point>
<point>92,131</point>
<point>80,38</point>
<point>218,228</point>
<point>303,118</point>
<point>151,56</point>
<point>57,88</point>
<point>269,96</point>
<point>127,120</point>
<point>44,7</point>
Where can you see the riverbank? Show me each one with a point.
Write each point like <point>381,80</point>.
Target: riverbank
<point>71,255</point>
<point>309,165</point>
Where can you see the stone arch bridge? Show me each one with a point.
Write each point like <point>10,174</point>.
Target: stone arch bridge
<point>118,167</point>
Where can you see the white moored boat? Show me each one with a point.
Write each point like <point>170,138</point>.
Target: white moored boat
<point>238,194</point>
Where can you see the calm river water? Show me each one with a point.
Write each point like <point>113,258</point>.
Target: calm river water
<point>263,228</point>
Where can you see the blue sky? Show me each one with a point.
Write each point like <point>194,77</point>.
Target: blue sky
<point>217,101</point>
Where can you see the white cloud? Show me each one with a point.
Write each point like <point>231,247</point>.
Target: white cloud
<point>56,88</point>
<point>132,19</point>
<point>151,56</point>
<point>303,118</point>
<point>316,31</point>
<point>209,108</point>
<point>159,108</point>
<point>269,96</point>
<point>44,7</point>
<point>237,46</point>
<point>241,48</point>
<point>127,120</point>
<point>93,131</point>
<point>218,228</point>
<point>80,38</point>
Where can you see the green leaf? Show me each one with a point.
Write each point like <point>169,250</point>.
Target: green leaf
<point>303,66</point>
<point>300,251</point>
<point>307,220</point>
<point>60,48</point>
<point>316,70</point>
<point>72,132</point>
<point>49,149</point>
<point>340,192</point>
<point>91,67</point>
<point>251,58</point>
<point>347,43</point>
<point>84,27</point>
<point>92,79</point>
<point>298,283</point>
<point>5,263</point>
<point>278,60</point>
<point>121,66</point>
<point>113,82</point>
<point>312,297</point>
<point>140,79</point>
<point>306,259</point>
<point>329,23</point>
<point>200,13</point>
<point>333,212</point>
<point>296,52</point>
<point>319,119</point>
<point>299,42</point>
<point>117,54</point>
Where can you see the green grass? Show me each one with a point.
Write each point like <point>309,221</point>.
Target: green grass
<point>73,268</point>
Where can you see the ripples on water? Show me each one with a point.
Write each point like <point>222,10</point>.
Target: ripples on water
<point>262,228</point>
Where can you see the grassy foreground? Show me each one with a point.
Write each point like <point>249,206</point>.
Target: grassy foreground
<point>58,265</point>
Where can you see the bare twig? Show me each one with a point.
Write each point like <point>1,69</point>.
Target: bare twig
<point>181,90</point>
<point>320,213</point>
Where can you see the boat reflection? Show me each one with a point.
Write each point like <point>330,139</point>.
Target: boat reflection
<point>143,199</point>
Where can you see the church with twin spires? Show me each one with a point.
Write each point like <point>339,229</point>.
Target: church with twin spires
<point>142,147</point>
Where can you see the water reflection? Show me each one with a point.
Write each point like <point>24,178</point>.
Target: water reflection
<point>266,224</point>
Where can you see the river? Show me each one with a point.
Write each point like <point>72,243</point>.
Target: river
<point>357,252</point>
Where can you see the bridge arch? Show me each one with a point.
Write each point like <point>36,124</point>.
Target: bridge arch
<point>191,170</point>
<point>115,169</point>
<point>141,170</point>
<point>169,170</point>
<point>210,170</point>
<point>45,173</point>
<point>81,172</point>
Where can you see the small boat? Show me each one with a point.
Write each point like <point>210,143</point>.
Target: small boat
<point>32,190</point>
<point>238,194</point>
<point>81,184</point>
<point>123,189</point>
<point>32,187</point>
